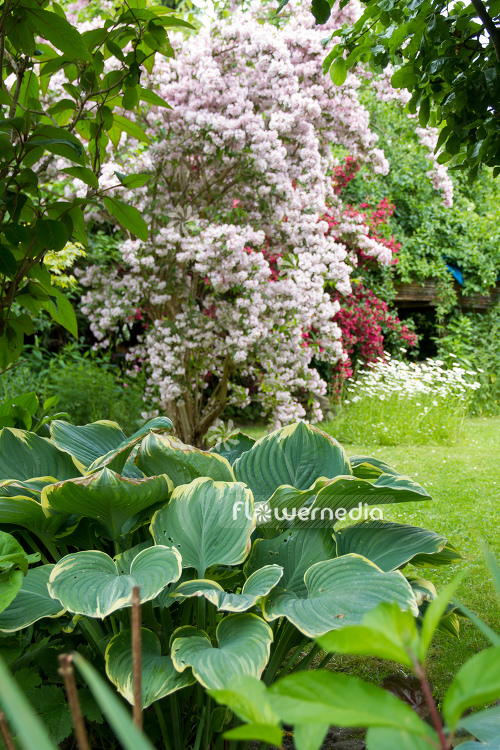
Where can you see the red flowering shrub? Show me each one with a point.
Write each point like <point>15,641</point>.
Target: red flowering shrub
<point>365,320</point>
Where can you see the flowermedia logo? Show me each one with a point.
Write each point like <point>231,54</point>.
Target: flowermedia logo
<point>312,515</point>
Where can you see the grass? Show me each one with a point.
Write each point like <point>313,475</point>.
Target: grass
<point>464,481</point>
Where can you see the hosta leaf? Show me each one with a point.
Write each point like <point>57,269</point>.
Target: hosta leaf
<point>385,632</point>
<point>476,683</point>
<point>338,593</point>
<point>159,676</point>
<point>295,551</point>
<point>10,584</point>
<point>258,585</point>
<point>365,467</point>
<point>90,583</point>
<point>202,521</point>
<point>27,512</point>
<point>244,641</point>
<point>182,463</point>
<point>117,458</point>
<point>447,556</point>
<point>29,487</point>
<point>326,697</point>
<point>32,603</point>
<point>24,455</point>
<point>296,455</point>
<point>388,545</point>
<point>484,725</point>
<point>330,500</point>
<point>234,446</point>
<point>87,442</point>
<point>106,497</point>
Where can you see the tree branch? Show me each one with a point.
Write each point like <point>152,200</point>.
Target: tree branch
<point>489,25</point>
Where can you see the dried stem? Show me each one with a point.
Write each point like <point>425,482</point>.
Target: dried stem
<point>6,735</point>
<point>66,672</point>
<point>137,655</point>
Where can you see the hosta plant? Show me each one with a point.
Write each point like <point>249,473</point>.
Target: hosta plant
<point>311,702</point>
<point>236,552</point>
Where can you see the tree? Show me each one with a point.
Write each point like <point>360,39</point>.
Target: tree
<point>447,55</point>
<point>100,69</point>
<point>231,289</point>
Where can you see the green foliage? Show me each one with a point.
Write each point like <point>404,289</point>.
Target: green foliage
<point>310,701</point>
<point>88,388</point>
<point>467,235</point>
<point>13,565</point>
<point>474,338</point>
<point>34,218</point>
<point>225,593</point>
<point>448,58</point>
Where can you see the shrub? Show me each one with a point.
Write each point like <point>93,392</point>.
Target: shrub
<point>235,273</point>
<point>398,403</point>
<point>89,392</point>
<point>474,338</point>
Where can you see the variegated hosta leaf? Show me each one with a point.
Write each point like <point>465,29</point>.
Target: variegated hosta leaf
<point>182,463</point>
<point>102,440</point>
<point>295,551</point>
<point>329,500</point>
<point>243,647</point>
<point>207,523</point>
<point>447,556</point>
<point>90,583</point>
<point>388,545</point>
<point>24,455</point>
<point>112,500</point>
<point>296,455</point>
<point>86,442</point>
<point>28,513</point>
<point>159,676</point>
<point>120,459</point>
<point>337,593</point>
<point>258,585</point>
<point>233,447</point>
<point>28,487</point>
<point>32,603</point>
<point>364,467</point>
<point>424,590</point>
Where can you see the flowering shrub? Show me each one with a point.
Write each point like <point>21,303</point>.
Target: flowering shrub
<point>231,287</point>
<point>364,320</point>
<point>392,402</point>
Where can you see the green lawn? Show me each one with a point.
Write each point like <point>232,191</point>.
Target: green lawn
<point>464,481</point>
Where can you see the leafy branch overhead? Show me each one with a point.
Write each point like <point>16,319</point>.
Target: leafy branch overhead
<point>447,56</point>
<point>103,69</point>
